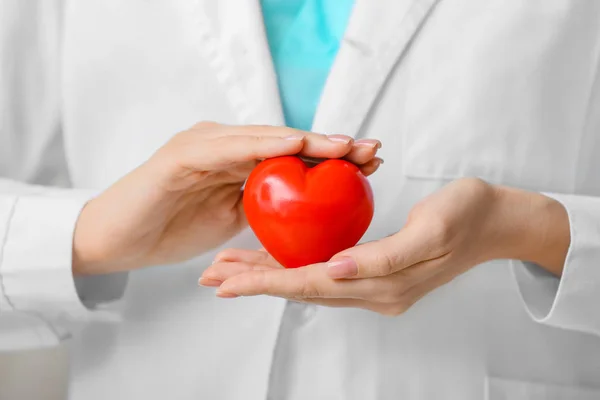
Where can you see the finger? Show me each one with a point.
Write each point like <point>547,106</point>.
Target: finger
<point>222,271</point>
<point>209,282</point>
<point>306,282</point>
<point>370,167</point>
<point>225,151</point>
<point>363,151</point>
<point>212,130</point>
<point>325,147</point>
<point>407,300</point>
<point>247,256</point>
<point>333,303</point>
<point>367,169</point>
<point>412,295</point>
<point>228,150</point>
<point>386,256</point>
<point>316,145</point>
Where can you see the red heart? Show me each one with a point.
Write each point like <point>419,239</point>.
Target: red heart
<point>305,215</point>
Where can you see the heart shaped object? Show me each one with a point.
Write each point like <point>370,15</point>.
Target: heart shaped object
<point>305,215</point>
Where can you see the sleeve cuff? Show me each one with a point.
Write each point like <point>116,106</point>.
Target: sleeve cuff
<point>97,292</point>
<point>35,262</point>
<point>571,301</point>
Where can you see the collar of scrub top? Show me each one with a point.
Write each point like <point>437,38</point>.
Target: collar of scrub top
<point>377,35</point>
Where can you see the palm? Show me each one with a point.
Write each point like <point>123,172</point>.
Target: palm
<point>204,219</point>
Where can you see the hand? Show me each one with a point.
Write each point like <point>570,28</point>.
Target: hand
<point>466,223</point>
<point>186,199</point>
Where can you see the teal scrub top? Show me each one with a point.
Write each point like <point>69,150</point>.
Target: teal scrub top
<point>304,37</point>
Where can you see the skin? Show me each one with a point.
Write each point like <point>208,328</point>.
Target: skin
<point>186,199</point>
<point>466,223</point>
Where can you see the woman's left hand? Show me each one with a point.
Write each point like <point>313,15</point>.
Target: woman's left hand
<point>466,223</point>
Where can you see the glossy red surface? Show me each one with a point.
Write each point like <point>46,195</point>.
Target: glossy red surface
<point>305,215</point>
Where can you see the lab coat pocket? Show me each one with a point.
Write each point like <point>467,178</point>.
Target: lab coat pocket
<point>500,90</point>
<point>505,389</point>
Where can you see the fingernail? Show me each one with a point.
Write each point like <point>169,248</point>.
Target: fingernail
<point>209,282</point>
<point>225,295</point>
<point>380,160</point>
<point>297,137</point>
<point>342,268</point>
<point>340,138</point>
<point>374,143</point>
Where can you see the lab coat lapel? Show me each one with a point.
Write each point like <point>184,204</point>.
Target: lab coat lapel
<point>234,41</point>
<point>378,34</point>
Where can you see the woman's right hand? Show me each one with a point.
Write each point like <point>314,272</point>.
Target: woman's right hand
<point>186,199</point>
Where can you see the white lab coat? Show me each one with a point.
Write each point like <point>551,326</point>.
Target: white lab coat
<point>503,90</point>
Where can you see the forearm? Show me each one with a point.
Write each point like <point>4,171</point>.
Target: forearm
<point>535,228</point>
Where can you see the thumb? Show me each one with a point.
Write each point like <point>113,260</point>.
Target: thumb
<point>381,257</point>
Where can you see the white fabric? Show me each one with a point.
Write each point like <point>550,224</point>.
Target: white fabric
<point>566,303</point>
<point>503,90</point>
<point>504,389</point>
<point>36,253</point>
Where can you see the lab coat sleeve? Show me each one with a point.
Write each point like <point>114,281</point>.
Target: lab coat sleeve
<point>573,300</point>
<point>41,303</point>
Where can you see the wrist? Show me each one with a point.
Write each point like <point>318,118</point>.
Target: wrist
<point>535,228</point>
<point>90,254</point>
<point>85,259</point>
